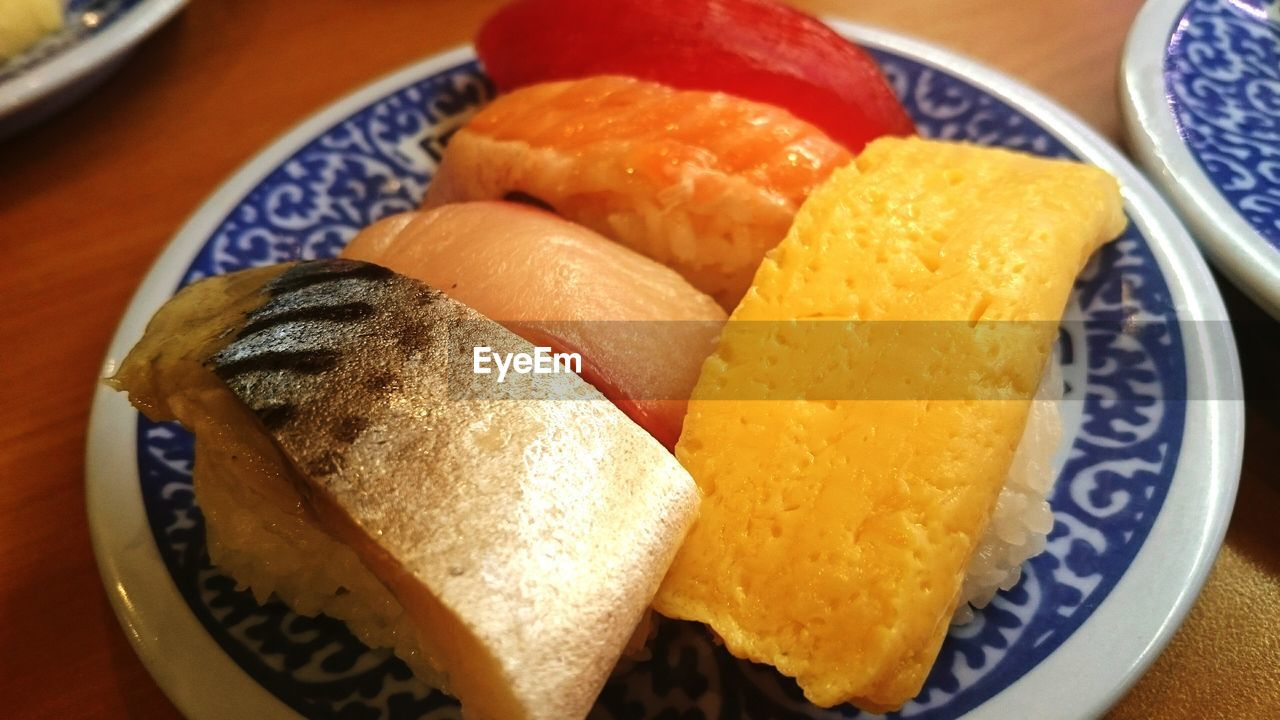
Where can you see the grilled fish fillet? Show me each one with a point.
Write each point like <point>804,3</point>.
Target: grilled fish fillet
<point>519,530</point>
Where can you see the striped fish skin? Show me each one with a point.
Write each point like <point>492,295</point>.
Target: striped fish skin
<point>523,526</point>
<point>323,350</point>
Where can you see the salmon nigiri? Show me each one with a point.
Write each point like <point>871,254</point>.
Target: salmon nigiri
<point>641,330</point>
<point>704,182</point>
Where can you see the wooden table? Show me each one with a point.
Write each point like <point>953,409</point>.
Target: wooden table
<point>88,199</point>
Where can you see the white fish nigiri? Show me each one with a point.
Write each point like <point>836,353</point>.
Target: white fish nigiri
<point>641,329</point>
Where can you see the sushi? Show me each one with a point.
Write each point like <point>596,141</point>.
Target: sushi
<point>504,539</point>
<point>561,285</point>
<point>861,453</point>
<point>891,345</point>
<point>703,182</point>
<point>757,49</point>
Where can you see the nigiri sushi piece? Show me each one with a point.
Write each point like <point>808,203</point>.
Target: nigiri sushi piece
<point>703,182</point>
<point>504,539</point>
<point>641,330</point>
<point>757,49</point>
<point>889,348</point>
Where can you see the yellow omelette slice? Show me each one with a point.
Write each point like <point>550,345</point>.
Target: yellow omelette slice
<point>856,423</point>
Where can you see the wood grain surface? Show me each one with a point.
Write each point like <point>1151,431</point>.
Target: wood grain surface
<point>90,197</point>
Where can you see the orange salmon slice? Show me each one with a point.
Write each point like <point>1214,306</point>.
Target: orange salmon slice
<point>704,182</point>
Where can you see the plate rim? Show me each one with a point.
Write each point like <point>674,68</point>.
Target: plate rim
<point>161,627</point>
<point>1234,246</point>
<point>63,69</point>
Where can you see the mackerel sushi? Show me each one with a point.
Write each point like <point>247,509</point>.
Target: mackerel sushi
<point>503,539</point>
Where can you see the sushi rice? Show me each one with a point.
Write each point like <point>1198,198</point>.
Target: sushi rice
<point>1022,518</point>
<point>259,533</point>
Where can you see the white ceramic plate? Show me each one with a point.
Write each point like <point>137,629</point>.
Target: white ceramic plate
<point>1201,97</point>
<point>63,66</point>
<point>1147,473</point>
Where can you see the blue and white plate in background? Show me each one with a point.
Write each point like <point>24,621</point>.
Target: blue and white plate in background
<point>64,65</point>
<point>1201,96</point>
<point>1146,473</point>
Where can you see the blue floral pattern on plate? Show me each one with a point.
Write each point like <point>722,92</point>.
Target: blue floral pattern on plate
<point>1222,78</point>
<point>75,30</point>
<point>1116,474</point>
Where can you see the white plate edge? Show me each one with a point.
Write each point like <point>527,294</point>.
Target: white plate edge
<point>1238,250</point>
<point>196,699</point>
<point>47,77</point>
